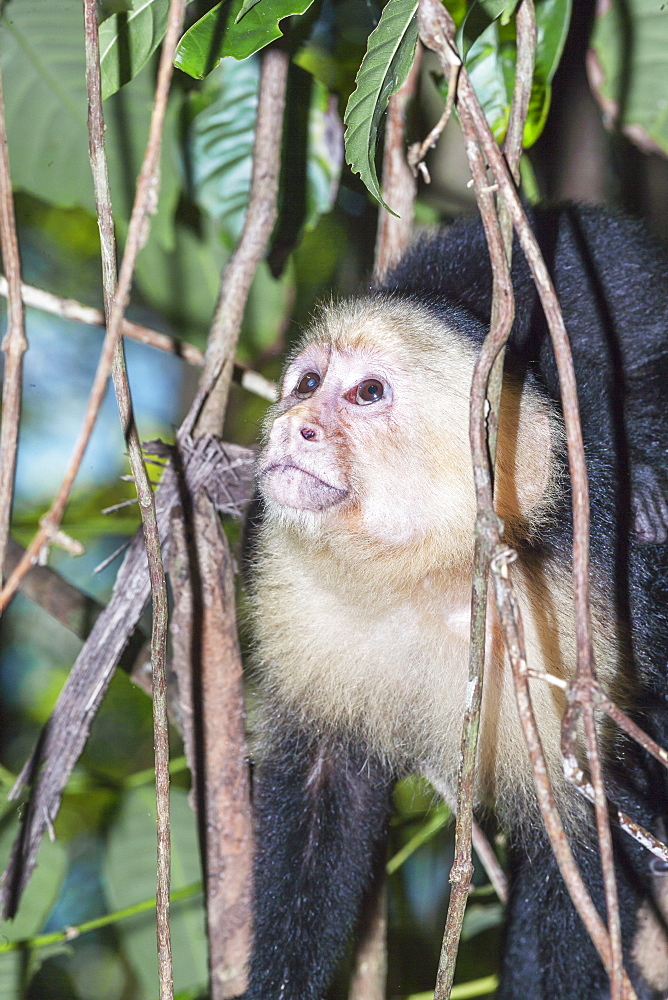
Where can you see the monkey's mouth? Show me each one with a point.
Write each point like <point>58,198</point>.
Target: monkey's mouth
<point>291,486</point>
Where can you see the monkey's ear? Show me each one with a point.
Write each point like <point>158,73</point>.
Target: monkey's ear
<point>525,468</point>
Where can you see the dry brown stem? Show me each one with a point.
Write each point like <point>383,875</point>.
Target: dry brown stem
<point>47,589</point>
<point>71,309</point>
<point>399,186</point>
<point>483,446</point>
<point>115,299</point>
<point>208,665</point>
<point>490,862</point>
<point>368,981</point>
<point>222,778</point>
<point>438,33</point>
<point>258,224</point>
<point>14,343</point>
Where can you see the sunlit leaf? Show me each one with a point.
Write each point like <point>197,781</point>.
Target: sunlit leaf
<point>224,32</point>
<point>385,66</point>
<point>491,62</point>
<point>128,40</point>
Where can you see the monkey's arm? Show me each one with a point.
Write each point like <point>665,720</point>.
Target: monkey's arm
<point>322,811</point>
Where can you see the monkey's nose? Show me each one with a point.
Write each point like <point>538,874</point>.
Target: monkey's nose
<point>310,433</point>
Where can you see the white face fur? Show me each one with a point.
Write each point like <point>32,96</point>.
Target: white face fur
<point>370,436</point>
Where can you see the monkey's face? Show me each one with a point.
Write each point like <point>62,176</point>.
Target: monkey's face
<point>370,436</point>
<point>332,402</point>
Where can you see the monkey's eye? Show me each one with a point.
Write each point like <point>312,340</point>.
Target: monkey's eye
<point>369,391</point>
<point>308,383</point>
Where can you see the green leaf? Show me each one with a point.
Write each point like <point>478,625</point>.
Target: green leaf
<point>129,870</point>
<point>385,66</point>
<point>229,30</point>
<point>480,15</point>
<point>498,8</point>
<point>128,40</point>
<point>42,890</point>
<point>631,80</point>
<point>43,68</point>
<point>492,59</point>
<point>248,5</point>
<point>221,144</point>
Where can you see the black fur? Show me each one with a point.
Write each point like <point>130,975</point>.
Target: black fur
<point>322,810</point>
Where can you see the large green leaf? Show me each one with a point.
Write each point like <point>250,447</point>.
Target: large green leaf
<point>221,146</point>
<point>43,69</point>
<point>385,66</point>
<point>480,15</point>
<point>128,40</point>
<point>628,69</point>
<point>129,872</point>
<point>229,31</point>
<point>491,62</point>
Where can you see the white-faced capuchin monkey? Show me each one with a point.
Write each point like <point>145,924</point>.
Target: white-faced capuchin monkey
<point>360,569</point>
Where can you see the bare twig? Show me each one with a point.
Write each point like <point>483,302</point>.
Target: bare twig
<point>222,781</point>
<point>419,150</point>
<point>490,863</point>
<point>438,33</point>
<point>486,386</point>
<point>258,224</point>
<point>71,309</point>
<point>116,298</point>
<point>14,343</point>
<point>370,972</point>
<point>399,186</point>
<point>487,531</point>
<point>50,591</point>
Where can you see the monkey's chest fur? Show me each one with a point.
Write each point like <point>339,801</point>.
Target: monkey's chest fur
<point>389,664</point>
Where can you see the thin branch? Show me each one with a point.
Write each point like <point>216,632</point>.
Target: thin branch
<point>399,186</point>
<point>239,272</point>
<point>71,309</point>
<point>438,32</point>
<point>369,976</point>
<point>490,863</point>
<point>14,343</point>
<point>47,589</point>
<point>487,531</point>
<point>222,781</point>
<point>116,297</point>
<point>419,150</point>
<point>486,387</point>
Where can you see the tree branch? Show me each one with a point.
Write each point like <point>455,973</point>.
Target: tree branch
<point>71,309</point>
<point>14,343</point>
